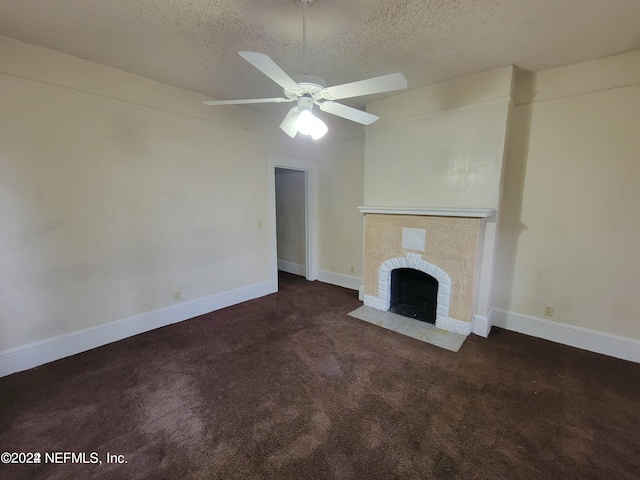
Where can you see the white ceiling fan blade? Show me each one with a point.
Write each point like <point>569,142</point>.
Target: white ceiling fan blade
<point>248,100</point>
<point>385,83</point>
<point>349,113</point>
<point>267,66</point>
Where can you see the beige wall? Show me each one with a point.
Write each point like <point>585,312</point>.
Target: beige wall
<point>117,191</point>
<point>570,228</point>
<point>290,215</point>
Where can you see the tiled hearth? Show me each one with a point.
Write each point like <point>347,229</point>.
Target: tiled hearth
<point>444,243</point>
<point>422,331</point>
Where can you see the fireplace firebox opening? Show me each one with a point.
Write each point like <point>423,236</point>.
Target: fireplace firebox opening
<point>414,294</point>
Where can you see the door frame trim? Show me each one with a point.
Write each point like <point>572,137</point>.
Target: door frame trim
<point>311,220</point>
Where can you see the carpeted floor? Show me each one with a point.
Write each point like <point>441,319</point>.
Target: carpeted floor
<point>290,387</point>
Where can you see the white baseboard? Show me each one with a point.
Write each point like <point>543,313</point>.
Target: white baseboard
<point>294,268</point>
<point>339,279</point>
<point>579,337</point>
<point>33,354</point>
<point>481,326</point>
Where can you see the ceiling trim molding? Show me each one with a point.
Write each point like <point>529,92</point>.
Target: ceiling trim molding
<point>485,103</point>
<point>128,103</point>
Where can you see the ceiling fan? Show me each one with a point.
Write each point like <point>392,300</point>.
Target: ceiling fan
<point>310,90</point>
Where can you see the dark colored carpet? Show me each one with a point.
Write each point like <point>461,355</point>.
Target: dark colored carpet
<point>290,387</point>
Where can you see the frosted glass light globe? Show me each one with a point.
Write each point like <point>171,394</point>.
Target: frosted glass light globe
<point>306,122</point>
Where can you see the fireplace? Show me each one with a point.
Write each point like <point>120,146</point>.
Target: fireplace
<point>435,252</point>
<point>414,294</point>
<point>412,261</point>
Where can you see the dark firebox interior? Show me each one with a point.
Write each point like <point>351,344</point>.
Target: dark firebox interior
<point>414,294</point>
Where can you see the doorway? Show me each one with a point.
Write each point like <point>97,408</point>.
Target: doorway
<point>305,172</point>
<point>290,220</point>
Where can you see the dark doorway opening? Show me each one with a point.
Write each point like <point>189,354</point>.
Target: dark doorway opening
<point>414,294</point>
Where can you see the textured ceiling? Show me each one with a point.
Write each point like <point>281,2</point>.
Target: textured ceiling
<point>194,43</point>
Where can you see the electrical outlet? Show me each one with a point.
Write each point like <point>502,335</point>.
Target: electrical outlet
<point>177,296</point>
<point>548,310</point>
<point>352,270</point>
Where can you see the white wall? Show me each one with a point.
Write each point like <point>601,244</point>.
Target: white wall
<point>570,227</point>
<point>108,206</point>
<point>443,146</point>
<point>117,191</point>
<point>290,217</point>
<point>440,146</point>
<point>341,186</point>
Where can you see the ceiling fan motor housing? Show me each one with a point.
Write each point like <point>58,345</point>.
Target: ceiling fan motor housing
<point>305,102</point>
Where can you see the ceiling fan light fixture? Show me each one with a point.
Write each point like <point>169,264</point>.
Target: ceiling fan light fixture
<point>319,128</point>
<point>290,123</point>
<point>305,122</point>
<point>309,124</point>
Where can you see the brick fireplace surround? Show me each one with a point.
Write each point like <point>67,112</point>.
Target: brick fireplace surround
<point>444,243</point>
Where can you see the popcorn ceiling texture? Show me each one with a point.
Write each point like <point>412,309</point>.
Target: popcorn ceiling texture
<point>451,244</point>
<point>193,44</point>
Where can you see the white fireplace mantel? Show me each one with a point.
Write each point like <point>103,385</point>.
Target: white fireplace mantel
<point>434,212</point>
